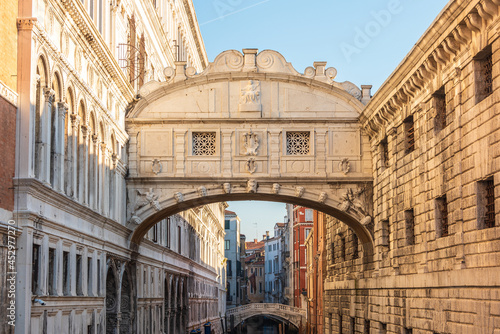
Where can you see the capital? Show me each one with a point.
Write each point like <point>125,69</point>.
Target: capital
<point>63,108</point>
<point>49,94</point>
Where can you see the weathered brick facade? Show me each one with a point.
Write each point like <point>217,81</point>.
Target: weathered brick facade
<point>7,147</point>
<point>434,130</point>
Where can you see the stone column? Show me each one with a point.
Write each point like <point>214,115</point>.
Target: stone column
<point>94,178</point>
<point>226,153</point>
<point>85,165</point>
<point>180,153</point>
<point>59,269</point>
<point>44,265</point>
<point>24,272</point>
<point>320,152</point>
<point>105,181</point>
<point>75,121</point>
<point>45,133</point>
<point>274,154</point>
<point>62,110</point>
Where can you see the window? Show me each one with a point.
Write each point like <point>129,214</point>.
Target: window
<point>260,287</point>
<point>79,279</point>
<point>355,246</point>
<point>229,268</point>
<point>483,66</point>
<point>167,232</point>
<point>66,278</point>
<point>439,99</point>
<point>409,135</point>
<point>297,143</point>
<point>227,244</point>
<point>98,277</point>
<point>385,233</point>
<point>384,153</point>
<point>204,143</point>
<point>383,328</point>
<point>89,276</point>
<point>408,331</point>
<point>35,269</point>
<point>410,227</point>
<point>307,231</point>
<point>274,247</point>
<point>260,271</point>
<point>342,248</point>
<point>441,217</point>
<point>352,325</point>
<point>52,272</point>
<point>227,224</point>
<point>366,329</point>
<point>309,215</point>
<point>155,233</point>
<point>340,324</point>
<point>179,239</point>
<point>486,204</point>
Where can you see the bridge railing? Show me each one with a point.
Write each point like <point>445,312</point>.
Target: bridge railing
<point>265,306</point>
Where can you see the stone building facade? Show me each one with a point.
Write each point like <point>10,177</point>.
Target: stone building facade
<point>82,65</point>
<point>434,133</point>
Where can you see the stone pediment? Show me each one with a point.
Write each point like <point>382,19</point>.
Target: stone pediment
<point>248,85</point>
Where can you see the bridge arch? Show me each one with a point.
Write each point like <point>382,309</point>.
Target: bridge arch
<point>292,315</point>
<point>250,127</point>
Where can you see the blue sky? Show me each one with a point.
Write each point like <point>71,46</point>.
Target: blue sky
<point>364,40</point>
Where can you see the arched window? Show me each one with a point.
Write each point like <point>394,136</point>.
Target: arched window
<point>41,83</point>
<point>68,145</point>
<point>80,154</point>
<point>54,134</point>
<point>92,162</point>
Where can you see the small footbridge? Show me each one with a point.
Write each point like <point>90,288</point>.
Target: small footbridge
<point>290,314</point>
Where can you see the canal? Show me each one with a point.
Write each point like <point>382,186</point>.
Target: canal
<point>264,325</point>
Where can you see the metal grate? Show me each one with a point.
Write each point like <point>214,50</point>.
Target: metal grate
<point>410,227</point>
<point>355,246</point>
<point>441,107</point>
<point>298,143</point>
<point>410,136</point>
<point>204,143</point>
<point>487,68</point>
<point>444,216</point>
<point>489,220</point>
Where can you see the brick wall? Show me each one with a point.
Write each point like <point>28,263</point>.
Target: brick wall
<point>8,42</point>
<point>7,149</point>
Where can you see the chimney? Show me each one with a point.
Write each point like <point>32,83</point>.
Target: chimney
<point>263,237</point>
<point>366,93</point>
<point>255,241</point>
<point>267,234</point>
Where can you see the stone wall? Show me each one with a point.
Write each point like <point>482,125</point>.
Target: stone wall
<point>434,138</point>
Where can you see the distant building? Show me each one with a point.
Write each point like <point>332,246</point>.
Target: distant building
<point>232,250</point>
<point>302,224</point>
<point>316,260</point>
<point>274,287</point>
<point>255,271</point>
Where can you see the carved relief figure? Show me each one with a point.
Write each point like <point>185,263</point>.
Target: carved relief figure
<point>299,191</point>
<point>251,143</point>
<point>250,93</point>
<point>178,197</point>
<point>251,186</point>
<point>227,188</point>
<point>345,166</point>
<point>351,198</point>
<point>156,166</point>
<point>145,198</point>
<point>322,197</point>
<point>202,191</point>
<point>276,188</point>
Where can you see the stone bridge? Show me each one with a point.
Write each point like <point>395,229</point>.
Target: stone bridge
<point>290,314</point>
<point>250,127</point>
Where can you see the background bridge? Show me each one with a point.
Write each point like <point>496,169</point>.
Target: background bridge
<point>293,315</point>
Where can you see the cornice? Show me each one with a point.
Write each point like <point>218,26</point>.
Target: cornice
<point>8,94</point>
<point>195,30</point>
<point>95,40</point>
<point>446,38</point>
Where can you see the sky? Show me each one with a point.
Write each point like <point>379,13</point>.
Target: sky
<point>364,40</point>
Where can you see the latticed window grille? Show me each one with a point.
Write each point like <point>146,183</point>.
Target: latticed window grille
<point>489,220</point>
<point>487,68</point>
<point>442,208</point>
<point>298,142</point>
<point>204,143</point>
<point>409,134</point>
<point>410,227</point>
<point>441,108</point>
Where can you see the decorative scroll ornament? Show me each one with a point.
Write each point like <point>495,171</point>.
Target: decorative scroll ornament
<point>144,198</point>
<point>299,191</point>
<point>276,188</point>
<point>252,186</point>
<point>344,166</point>
<point>227,188</point>
<point>156,166</point>
<point>366,221</point>
<point>250,165</point>
<point>202,191</point>
<point>322,197</point>
<point>251,143</point>
<point>178,197</point>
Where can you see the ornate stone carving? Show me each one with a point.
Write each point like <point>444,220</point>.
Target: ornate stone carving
<point>344,166</point>
<point>252,186</point>
<point>156,166</point>
<point>144,198</point>
<point>251,143</point>
<point>227,188</point>
<point>322,197</point>
<point>250,96</point>
<point>351,199</point>
<point>204,143</point>
<point>178,197</point>
<point>202,191</point>
<point>352,89</point>
<point>299,191</point>
<point>276,188</point>
<point>250,165</point>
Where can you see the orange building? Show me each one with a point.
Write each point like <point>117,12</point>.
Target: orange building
<point>316,273</point>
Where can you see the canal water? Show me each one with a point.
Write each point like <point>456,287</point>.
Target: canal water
<point>263,325</point>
